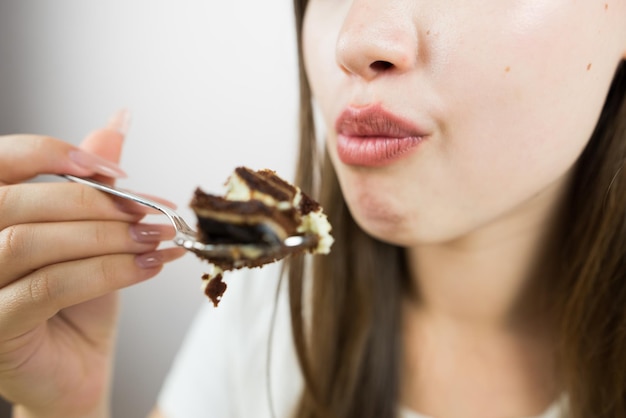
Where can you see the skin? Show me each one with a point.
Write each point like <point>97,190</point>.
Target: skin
<point>65,249</point>
<point>500,87</point>
<point>509,94</point>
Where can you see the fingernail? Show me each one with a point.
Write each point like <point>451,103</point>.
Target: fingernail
<point>120,121</point>
<point>158,258</point>
<point>147,233</point>
<point>96,163</point>
<point>133,208</point>
<point>150,260</point>
<point>161,200</point>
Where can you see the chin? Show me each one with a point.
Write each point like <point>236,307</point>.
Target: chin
<point>388,218</point>
<point>380,219</point>
<point>380,204</point>
<point>374,203</point>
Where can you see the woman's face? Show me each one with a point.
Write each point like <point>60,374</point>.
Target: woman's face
<point>444,117</point>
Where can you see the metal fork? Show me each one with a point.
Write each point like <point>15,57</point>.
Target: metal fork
<point>186,237</point>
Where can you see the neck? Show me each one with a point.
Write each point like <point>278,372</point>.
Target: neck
<point>480,280</point>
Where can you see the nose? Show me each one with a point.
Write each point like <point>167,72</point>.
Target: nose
<point>376,38</point>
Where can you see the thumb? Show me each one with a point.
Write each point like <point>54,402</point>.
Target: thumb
<point>107,142</point>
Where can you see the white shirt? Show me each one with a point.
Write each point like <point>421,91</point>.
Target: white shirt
<point>223,369</point>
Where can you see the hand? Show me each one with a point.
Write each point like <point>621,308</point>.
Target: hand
<point>64,251</point>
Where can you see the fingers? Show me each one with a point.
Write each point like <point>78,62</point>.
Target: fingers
<point>37,297</point>
<point>25,248</point>
<point>62,244</point>
<point>25,156</point>
<point>59,202</point>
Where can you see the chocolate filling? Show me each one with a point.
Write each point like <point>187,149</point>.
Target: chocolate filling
<point>250,224</point>
<point>219,232</point>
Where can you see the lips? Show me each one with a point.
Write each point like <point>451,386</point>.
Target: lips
<point>373,137</point>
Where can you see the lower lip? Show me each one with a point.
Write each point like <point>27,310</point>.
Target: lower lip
<point>374,151</point>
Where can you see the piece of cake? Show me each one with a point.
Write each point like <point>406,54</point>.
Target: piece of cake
<point>257,213</point>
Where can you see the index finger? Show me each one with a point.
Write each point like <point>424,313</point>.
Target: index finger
<point>23,157</point>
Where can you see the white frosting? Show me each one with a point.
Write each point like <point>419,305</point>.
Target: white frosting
<point>317,223</point>
<point>215,271</point>
<point>297,198</point>
<point>312,223</point>
<point>237,189</point>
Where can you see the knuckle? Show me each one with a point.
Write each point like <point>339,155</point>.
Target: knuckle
<point>100,235</point>
<point>107,270</point>
<point>84,198</point>
<point>4,197</point>
<point>12,243</point>
<point>41,288</point>
<point>38,144</point>
<point>7,199</point>
<point>20,156</point>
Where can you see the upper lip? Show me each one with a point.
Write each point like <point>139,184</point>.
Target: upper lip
<point>375,122</point>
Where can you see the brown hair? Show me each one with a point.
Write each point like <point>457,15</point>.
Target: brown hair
<point>350,348</point>
<point>592,288</point>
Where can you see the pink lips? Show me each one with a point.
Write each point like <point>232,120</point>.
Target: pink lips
<point>373,137</point>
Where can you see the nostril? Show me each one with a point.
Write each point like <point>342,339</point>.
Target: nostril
<point>381,65</point>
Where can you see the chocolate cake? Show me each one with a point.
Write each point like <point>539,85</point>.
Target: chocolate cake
<point>255,216</point>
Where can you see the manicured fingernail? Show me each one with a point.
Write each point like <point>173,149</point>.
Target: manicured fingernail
<point>147,233</point>
<point>158,258</point>
<point>133,208</point>
<point>150,260</point>
<point>96,163</point>
<point>161,200</point>
<point>120,121</point>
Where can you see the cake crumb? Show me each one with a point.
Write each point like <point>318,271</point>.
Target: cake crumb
<point>215,288</point>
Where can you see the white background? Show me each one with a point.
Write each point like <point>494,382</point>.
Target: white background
<point>211,85</point>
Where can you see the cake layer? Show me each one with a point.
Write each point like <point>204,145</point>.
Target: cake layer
<point>226,221</point>
<point>258,212</point>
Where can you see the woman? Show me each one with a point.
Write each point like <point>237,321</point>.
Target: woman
<point>474,178</point>
<point>509,286</point>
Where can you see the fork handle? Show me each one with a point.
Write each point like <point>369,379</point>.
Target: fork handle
<point>116,192</point>
<point>181,226</point>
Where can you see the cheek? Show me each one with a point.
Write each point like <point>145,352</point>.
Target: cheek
<point>515,104</point>
<point>516,122</point>
<point>321,26</point>
<point>540,81</point>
